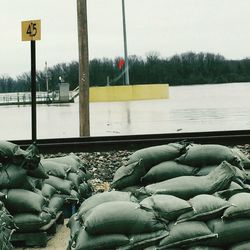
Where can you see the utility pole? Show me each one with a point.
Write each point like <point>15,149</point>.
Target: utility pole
<point>47,79</point>
<point>125,44</point>
<point>83,68</point>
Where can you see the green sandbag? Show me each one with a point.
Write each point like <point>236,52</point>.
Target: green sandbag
<point>121,217</point>
<point>54,168</point>
<point>240,174</point>
<point>12,176</point>
<point>62,186</point>
<point>245,245</point>
<point>186,233</point>
<point>234,188</point>
<point>48,191</point>
<point>100,198</point>
<point>31,183</point>
<point>75,178</point>
<point>24,201</point>
<point>75,226</point>
<point>240,208</point>
<point>167,170</point>
<point>73,161</point>
<point>244,159</point>
<point>85,175</point>
<point>39,172</point>
<point>157,154</point>
<point>205,207</point>
<point>229,231</point>
<point>55,205</point>
<point>30,222</point>
<point>128,175</point>
<point>141,241</point>
<point>85,190</point>
<point>186,187</point>
<point>12,153</point>
<point>207,155</point>
<point>167,206</point>
<point>205,170</point>
<point>87,241</point>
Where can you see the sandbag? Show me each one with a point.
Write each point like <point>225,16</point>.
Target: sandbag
<point>129,175</point>
<point>75,226</point>
<point>55,205</point>
<point>87,241</point>
<point>31,183</point>
<point>205,207</point>
<point>100,198</point>
<point>229,231</point>
<point>186,187</point>
<point>39,172</point>
<point>245,245</point>
<point>244,159</point>
<point>30,222</point>
<point>157,154</point>
<point>24,201</point>
<point>140,241</point>
<point>121,217</point>
<point>12,153</point>
<point>167,170</point>
<point>85,174</point>
<point>48,191</point>
<point>233,189</point>
<point>240,208</point>
<point>12,176</point>
<point>62,186</point>
<point>167,206</point>
<point>84,190</point>
<point>75,178</point>
<point>73,161</point>
<point>207,155</point>
<point>54,168</point>
<point>186,233</point>
<point>240,175</point>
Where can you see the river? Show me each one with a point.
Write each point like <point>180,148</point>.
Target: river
<point>196,108</point>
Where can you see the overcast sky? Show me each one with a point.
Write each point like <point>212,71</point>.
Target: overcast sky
<point>166,26</point>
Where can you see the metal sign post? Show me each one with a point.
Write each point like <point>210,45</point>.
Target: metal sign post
<point>31,31</point>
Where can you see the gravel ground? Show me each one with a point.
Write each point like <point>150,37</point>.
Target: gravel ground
<point>103,166</point>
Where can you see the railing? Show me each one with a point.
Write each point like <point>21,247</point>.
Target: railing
<point>24,97</point>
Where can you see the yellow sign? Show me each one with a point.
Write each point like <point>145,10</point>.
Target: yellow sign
<point>31,30</point>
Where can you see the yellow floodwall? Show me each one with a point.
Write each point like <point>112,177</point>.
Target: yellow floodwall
<point>129,92</point>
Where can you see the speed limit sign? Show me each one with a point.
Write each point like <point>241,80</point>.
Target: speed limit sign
<point>31,30</point>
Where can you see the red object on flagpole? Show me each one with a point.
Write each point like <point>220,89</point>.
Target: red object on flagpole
<point>121,63</point>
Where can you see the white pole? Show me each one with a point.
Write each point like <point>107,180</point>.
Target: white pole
<point>47,78</point>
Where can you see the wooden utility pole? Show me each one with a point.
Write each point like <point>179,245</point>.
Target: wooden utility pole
<point>83,68</point>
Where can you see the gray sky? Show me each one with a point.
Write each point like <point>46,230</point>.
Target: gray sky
<point>166,26</point>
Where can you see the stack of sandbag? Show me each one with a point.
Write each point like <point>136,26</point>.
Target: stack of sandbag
<point>68,176</point>
<point>201,192</point>
<point>7,226</point>
<point>22,177</point>
<point>114,220</point>
<point>161,163</point>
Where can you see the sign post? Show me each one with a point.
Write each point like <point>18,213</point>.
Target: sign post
<point>31,31</point>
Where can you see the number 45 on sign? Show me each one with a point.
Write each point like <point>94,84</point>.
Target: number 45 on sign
<point>31,30</point>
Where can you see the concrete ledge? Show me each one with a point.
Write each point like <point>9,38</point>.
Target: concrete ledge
<point>129,92</point>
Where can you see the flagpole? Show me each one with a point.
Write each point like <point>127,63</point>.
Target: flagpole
<point>125,45</point>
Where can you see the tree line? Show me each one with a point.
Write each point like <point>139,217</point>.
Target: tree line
<point>184,69</point>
